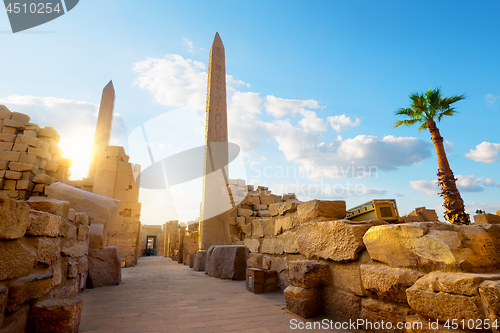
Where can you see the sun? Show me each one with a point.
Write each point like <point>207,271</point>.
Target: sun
<point>76,144</point>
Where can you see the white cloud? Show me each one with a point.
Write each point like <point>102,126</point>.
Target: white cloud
<point>341,123</point>
<point>311,122</point>
<point>74,120</point>
<point>469,183</point>
<point>449,146</point>
<point>491,100</point>
<point>306,192</point>
<point>485,152</point>
<point>173,81</point>
<point>489,182</point>
<point>427,187</point>
<point>189,44</point>
<point>279,107</point>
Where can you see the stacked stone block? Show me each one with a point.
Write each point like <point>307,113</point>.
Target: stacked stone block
<point>30,158</point>
<point>249,205</point>
<point>43,256</point>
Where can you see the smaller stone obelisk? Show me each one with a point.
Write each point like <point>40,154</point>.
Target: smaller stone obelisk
<point>103,127</point>
<point>214,212</point>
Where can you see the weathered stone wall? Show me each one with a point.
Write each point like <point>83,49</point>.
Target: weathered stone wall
<point>114,178</point>
<point>30,157</point>
<point>407,272</point>
<point>43,256</point>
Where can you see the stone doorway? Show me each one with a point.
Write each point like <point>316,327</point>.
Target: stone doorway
<point>151,242</point>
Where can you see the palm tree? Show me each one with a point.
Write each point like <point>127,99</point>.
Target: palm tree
<point>425,109</point>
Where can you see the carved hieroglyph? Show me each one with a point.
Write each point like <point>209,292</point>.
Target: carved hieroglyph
<point>103,127</point>
<point>214,213</point>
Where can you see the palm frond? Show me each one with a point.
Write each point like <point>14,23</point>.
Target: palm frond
<point>422,127</point>
<point>408,122</point>
<point>447,101</point>
<point>449,112</point>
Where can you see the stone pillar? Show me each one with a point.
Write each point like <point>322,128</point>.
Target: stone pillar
<point>103,127</point>
<point>214,215</point>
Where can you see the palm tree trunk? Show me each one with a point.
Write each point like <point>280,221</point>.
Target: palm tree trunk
<point>453,203</point>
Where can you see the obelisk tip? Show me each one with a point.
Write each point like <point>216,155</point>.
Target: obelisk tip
<point>217,40</point>
<point>109,86</point>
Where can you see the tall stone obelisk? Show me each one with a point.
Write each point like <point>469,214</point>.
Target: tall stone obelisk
<point>214,215</point>
<point>103,127</point>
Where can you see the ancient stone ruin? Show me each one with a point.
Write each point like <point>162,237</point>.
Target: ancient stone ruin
<point>60,236</point>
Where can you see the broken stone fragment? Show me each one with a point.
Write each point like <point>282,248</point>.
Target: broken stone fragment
<point>28,288</point>
<point>306,303</point>
<point>227,262</point>
<point>340,240</point>
<point>321,210</point>
<point>388,283</point>
<point>104,267</point>
<point>56,316</point>
<point>308,273</point>
<point>43,224</point>
<point>14,218</point>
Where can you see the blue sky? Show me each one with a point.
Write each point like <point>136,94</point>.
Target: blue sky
<point>312,85</point>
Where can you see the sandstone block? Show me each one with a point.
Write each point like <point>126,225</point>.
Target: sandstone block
<point>30,141</point>
<point>340,240</point>
<point>97,207</point>
<point>82,218</point>
<point>308,273</point>
<point>82,232</point>
<point>284,223</point>
<point>7,137</point>
<point>28,288</point>
<point>248,230</point>
<point>104,267</point>
<point>269,227</point>
<point>227,262</point>
<point>253,244</point>
<point>20,147</point>
<point>14,175</point>
<point>486,219</point>
<point>49,132</point>
<point>200,261</point>
<point>96,236</point>
<point>74,249</point>
<point>244,212</point>
<point>41,178</point>
<point>266,200</point>
<point>254,260</point>
<point>341,305</point>
<point>458,291</point>
<point>9,130</point>
<point>306,303</point>
<point>321,210</point>
<point>49,205</point>
<point>376,311</point>
<point>43,224</point>
<point>17,259</point>
<point>14,218</point>
<point>15,124</point>
<point>274,209</point>
<point>388,283</point>
<point>6,146</point>
<point>288,207</point>
<point>490,296</point>
<point>56,316</point>
<point>264,213</point>
<point>39,152</point>
<point>23,167</point>
<point>48,250</point>
<point>258,228</point>
<point>284,243</point>
<point>434,245</point>
<point>21,117</point>
<point>11,156</point>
